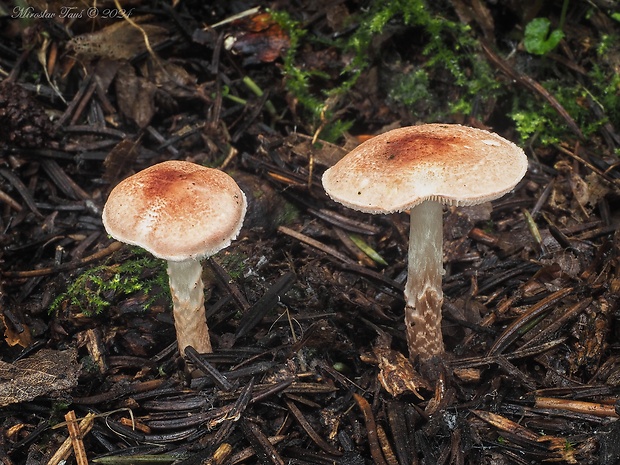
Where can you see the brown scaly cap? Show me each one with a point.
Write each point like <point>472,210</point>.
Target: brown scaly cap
<point>448,163</point>
<point>176,210</point>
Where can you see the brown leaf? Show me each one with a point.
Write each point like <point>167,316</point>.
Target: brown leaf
<point>396,373</point>
<point>44,373</point>
<point>170,78</point>
<point>105,72</point>
<point>118,159</point>
<point>119,41</point>
<point>13,337</point>
<point>135,96</point>
<point>323,152</point>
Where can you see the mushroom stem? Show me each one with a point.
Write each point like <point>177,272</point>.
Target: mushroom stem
<point>423,293</point>
<point>188,302</point>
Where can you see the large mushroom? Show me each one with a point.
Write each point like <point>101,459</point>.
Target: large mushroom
<point>419,168</point>
<point>181,212</point>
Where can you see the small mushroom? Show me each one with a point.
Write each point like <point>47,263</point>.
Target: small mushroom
<point>181,212</point>
<point>419,168</point>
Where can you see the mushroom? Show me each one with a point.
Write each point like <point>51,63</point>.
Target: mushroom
<point>181,212</point>
<point>419,168</point>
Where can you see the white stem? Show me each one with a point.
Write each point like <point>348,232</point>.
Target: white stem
<point>423,293</point>
<point>188,303</point>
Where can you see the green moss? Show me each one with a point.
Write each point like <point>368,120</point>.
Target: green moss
<point>606,92</point>
<point>450,75</point>
<point>234,263</point>
<point>537,119</point>
<point>96,289</point>
<point>530,124</point>
<point>591,101</point>
<point>289,213</point>
<point>449,47</point>
<point>411,89</point>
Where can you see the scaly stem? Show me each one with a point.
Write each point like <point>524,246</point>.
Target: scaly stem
<point>188,303</point>
<point>423,293</point>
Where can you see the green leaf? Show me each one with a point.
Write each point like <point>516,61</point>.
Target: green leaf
<point>368,250</point>
<point>538,40</point>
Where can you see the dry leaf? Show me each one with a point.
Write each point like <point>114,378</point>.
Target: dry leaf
<point>119,41</point>
<point>396,373</point>
<point>118,159</point>
<point>135,96</point>
<point>13,337</point>
<point>324,153</point>
<point>105,72</point>
<point>170,78</point>
<point>599,188</point>
<point>44,373</point>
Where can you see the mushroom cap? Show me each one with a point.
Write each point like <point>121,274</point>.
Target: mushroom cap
<point>448,163</point>
<point>176,210</point>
